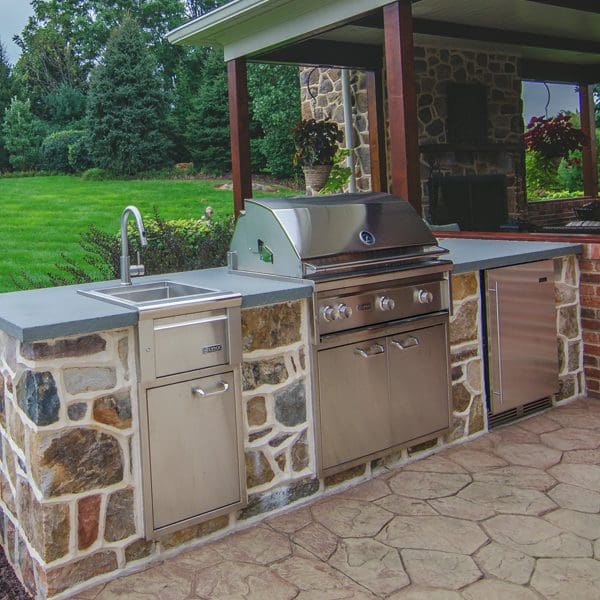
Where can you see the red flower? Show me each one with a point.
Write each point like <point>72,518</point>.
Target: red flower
<point>553,137</point>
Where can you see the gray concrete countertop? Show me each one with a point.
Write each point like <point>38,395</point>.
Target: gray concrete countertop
<point>478,255</point>
<point>57,312</point>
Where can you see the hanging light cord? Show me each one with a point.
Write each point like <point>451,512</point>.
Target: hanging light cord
<point>548,100</point>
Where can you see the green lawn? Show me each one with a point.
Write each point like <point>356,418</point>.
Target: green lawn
<point>40,217</point>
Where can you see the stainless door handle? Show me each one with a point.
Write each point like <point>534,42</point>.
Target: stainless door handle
<point>408,342</point>
<point>200,392</point>
<point>371,351</point>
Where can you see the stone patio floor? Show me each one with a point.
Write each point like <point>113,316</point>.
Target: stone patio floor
<point>512,515</point>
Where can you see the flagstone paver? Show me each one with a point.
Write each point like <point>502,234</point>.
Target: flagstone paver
<point>513,515</point>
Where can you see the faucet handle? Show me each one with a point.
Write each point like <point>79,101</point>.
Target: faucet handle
<point>137,270</point>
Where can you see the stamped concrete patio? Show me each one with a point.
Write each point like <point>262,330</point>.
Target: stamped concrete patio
<point>512,515</point>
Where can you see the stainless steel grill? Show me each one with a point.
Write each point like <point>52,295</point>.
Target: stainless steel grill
<point>379,313</point>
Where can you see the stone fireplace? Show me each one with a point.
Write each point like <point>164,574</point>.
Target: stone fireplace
<point>470,120</point>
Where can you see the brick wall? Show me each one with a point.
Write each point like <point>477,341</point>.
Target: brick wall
<point>589,263</point>
<point>554,212</point>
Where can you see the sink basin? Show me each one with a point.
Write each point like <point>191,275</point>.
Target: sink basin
<point>157,292</point>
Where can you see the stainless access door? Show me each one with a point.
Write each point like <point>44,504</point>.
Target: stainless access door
<point>354,404</point>
<point>522,349</point>
<point>194,461</point>
<point>419,388</point>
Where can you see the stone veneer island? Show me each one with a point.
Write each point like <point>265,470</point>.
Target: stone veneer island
<point>70,475</point>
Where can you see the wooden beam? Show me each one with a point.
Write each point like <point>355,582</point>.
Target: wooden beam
<point>504,36</point>
<point>584,5</point>
<point>239,123</point>
<point>588,125</point>
<point>560,72</point>
<point>325,53</point>
<point>402,102</point>
<point>376,131</point>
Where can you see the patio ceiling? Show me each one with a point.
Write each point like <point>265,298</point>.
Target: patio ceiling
<point>350,32</point>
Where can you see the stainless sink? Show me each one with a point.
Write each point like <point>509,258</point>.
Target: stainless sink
<point>155,293</point>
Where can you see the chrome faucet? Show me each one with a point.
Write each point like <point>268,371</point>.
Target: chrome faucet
<point>127,269</point>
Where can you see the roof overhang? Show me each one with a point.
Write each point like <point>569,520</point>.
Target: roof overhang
<point>349,32</point>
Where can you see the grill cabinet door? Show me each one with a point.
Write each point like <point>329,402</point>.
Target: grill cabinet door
<point>193,448</point>
<point>419,386</point>
<point>354,401</point>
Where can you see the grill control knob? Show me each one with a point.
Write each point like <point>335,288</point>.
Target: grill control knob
<point>424,297</point>
<point>386,303</point>
<point>344,311</point>
<point>329,313</point>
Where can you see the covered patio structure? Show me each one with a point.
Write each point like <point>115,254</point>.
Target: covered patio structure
<point>548,40</point>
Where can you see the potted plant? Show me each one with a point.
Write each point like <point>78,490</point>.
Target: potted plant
<point>553,138</point>
<point>316,145</point>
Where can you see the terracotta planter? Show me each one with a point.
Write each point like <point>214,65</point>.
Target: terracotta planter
<point>316,177</point>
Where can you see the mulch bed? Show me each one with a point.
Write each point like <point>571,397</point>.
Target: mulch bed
<point>10,586</point>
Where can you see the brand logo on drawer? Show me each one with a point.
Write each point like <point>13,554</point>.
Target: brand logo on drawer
<point>365,306</point>
<point>211,349</point>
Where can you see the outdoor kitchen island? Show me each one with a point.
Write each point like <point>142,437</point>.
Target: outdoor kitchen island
<point>70,472</point>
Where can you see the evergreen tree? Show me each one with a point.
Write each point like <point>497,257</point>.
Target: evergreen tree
<point>6,91</point>
<point>207,126</point>
<point>127,106</point>
<point>22,136</point>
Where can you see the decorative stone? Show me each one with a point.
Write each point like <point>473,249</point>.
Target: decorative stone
<point>372,564</point>
<point>459,508</point>
<point>317,540</point>
<point>263,372</point>
<point>70,347</point>
<point>88,520</point>
<point>445,534</point>
<point>195,531</point>
<point>300,456</point>
<point>269,327</point>
<point>529,455</point>
<point>290,404</point>
<point>75,460</point>
<point>505,563</point>
<point>77,411</point>
<point>46,525</point>
<point>281,461</point>
<point>2,406</point>
<point>114,410</point>
<point>279,439</point>
<point>428,485</point>
<point>488,589</point>
<point>568,321</point>
<point>463,286</point>
<point>259,545</point>
<point>351,518</point>
<point>79,380</point>
<point>346,475</point>
<point>461,397</point>
<point>523,477</point>
<point>400,505</point>
<point>69,575</point>
<point>38,397</point>
<point>138,550</point>
<point>584,525</point>
<point>476,415</point>
<point>258,469</point>
<point>120,520</point>
<point>463,326</point>
<point>444,570</point>
<point>422,447</point>
<point>123,351</point>
<point>256,435</point>
<point>535,537</point>
<point>571,439</point>
<point>474,375</point>
<point>282,496</point>
<point>575,498</point>
<point>257,411</point>
<point>567,578</point>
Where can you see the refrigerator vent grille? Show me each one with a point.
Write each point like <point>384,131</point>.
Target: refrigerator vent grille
<point>519,412</point>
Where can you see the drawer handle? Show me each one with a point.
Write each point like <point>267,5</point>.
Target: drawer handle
<point>406,343</point>
<point>371,351</point>
<point>221,390</point>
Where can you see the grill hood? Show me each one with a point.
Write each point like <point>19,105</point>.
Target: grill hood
<point>308,237</point>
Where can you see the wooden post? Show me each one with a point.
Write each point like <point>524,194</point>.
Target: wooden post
<point>239,123</point>
<point>376,132</point>
<point>589,152</point>
<point>402,102</point>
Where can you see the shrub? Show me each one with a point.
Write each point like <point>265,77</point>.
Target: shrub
<point>178,245</point>
<point>96,174</point>
<point>55,150</point>
<point>22,138</point>
<point>79,155</point>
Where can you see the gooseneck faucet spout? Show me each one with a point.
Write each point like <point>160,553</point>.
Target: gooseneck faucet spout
<point>127,269</point>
